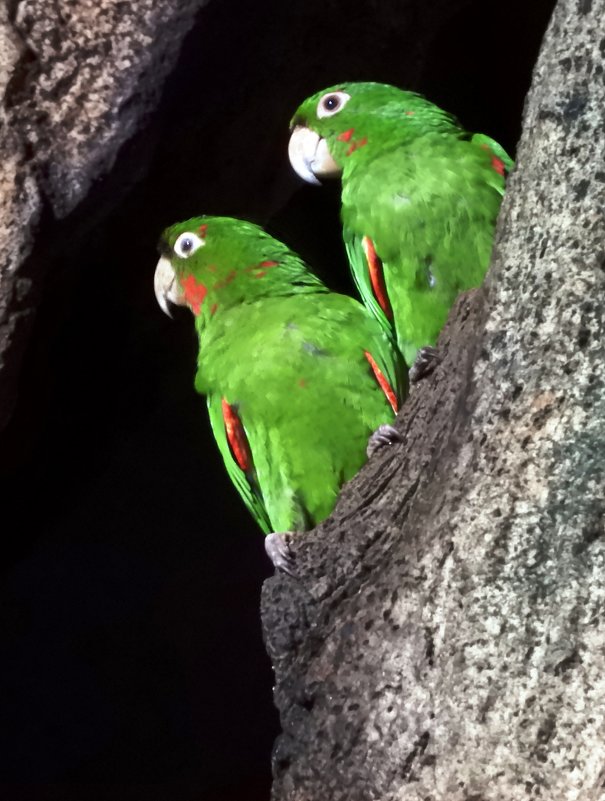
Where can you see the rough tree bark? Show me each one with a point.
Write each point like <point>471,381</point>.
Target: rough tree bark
<point>446,637</point>
<point>76,81</point>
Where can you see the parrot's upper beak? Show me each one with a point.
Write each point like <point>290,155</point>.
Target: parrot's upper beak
<point>310,156</point>
<point>166,286</point>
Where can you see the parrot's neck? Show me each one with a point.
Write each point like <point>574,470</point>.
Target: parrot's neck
<point>210,294</point>
<point>359,145</point>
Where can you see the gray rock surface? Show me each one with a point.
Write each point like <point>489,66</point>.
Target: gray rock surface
<point>446,638</point>
<point>77,80</point>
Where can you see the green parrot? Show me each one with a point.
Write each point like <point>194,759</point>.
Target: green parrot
<point>420,198</point>
<point>296,377</point>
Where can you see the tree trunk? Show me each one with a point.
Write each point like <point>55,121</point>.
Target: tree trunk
<point>446,637</point>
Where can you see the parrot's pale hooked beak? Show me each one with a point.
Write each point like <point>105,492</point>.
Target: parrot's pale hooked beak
<point>310,157</point>
<point>167,288</point>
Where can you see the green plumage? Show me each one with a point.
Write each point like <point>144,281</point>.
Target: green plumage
<point>419,189</point>
<point>286,358</point>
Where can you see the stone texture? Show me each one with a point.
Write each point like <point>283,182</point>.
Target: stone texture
<point>77,80</point>
<point>446,637</point>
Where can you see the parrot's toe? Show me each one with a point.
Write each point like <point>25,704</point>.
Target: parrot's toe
<point>425,362</point>
<point>279,552</point>
<point>384,435</point>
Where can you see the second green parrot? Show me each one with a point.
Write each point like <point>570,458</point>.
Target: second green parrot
<point>420,198</point>
<point>296,377</point>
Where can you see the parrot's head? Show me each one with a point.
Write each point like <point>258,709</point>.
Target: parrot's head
<point>341,124</point>
<point>208,263</point>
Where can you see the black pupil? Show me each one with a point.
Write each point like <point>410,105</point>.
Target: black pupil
<point>186,245</point>
<point>331,102</point>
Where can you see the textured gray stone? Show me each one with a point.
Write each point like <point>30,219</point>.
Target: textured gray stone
<point>77,80</point>
<point>446,638</point>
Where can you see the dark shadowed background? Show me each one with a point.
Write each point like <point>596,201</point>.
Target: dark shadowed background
<point>132,659</point>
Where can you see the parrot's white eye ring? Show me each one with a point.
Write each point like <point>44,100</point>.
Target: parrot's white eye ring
<point>332,103</point>
<point>187,243</point>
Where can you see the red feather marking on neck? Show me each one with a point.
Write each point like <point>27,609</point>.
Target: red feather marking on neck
<point>236,436</point>
<point>346,135</point>
<point>195,292</point>
<point>262,268</point>
<point>377,276</point>
<point>382,381</point>
<point>226,280</point>
<point>356,144</point>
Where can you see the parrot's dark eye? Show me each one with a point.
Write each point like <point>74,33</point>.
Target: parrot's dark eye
<point>187,243</point>
<point>332,103</point>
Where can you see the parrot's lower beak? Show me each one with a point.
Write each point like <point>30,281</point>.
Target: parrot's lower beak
<point>166,286</point>
<point>310,157</point>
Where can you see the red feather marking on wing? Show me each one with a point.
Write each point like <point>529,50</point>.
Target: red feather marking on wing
<point>195,292</point>
<point>213,308</point>
<point>382,381</point>
<point>377,276</point>
<point>346,135</point>
<point>236,436</point>
<point>498,165</point>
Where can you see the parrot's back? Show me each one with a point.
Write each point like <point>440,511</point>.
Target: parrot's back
<point>428,210</point>
<point>306,379</point>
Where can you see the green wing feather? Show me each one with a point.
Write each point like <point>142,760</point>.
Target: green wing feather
<point>361,276</point>
<point>306,395</point>
<point>430,210</point>
<point>245,483</point>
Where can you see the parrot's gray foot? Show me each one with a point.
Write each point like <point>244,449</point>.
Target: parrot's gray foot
<point>280,553</point>
<point>384,435</point>
<point>425,362</point>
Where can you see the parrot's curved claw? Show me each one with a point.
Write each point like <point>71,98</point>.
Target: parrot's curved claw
<point>425,362</point>
<point>279,552</point>
<point>384,435</point>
